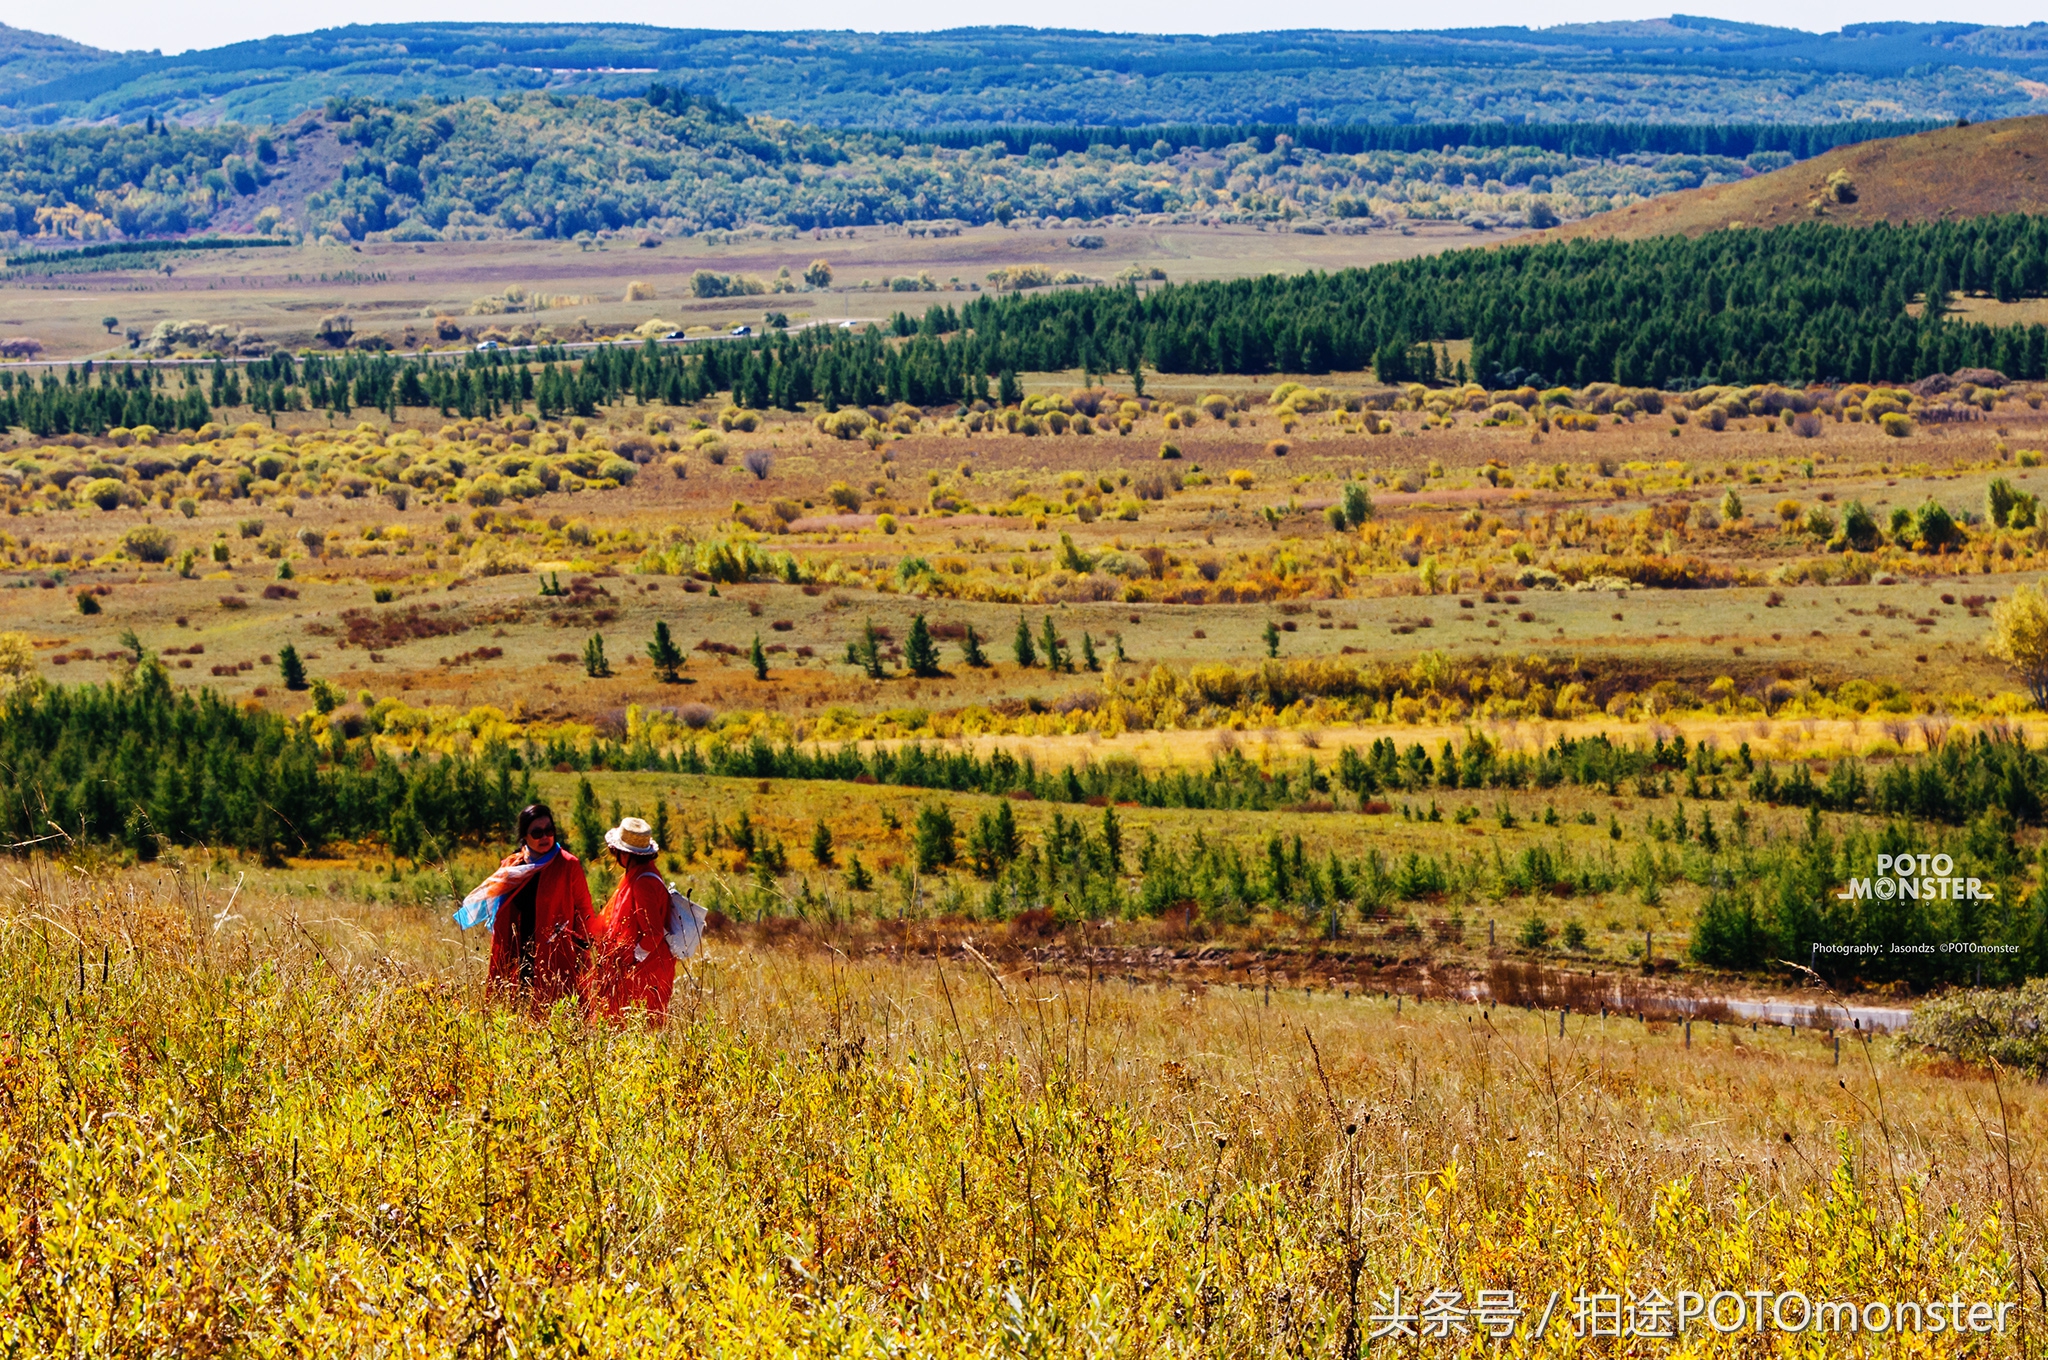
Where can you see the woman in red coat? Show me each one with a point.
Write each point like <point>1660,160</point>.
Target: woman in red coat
<point>631,966</point>
<point>541,937</point>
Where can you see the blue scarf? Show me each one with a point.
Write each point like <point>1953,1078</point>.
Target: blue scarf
<point>480,908</point>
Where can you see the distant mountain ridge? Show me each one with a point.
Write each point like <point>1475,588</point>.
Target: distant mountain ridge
<point>29,59</point>
<point>1676,69</point>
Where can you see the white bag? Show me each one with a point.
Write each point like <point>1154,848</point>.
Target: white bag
<point>685,929</point>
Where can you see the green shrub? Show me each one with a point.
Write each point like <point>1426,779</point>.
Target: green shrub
<point>2005,1027</point>
<point>1859,526</point>
<point>1935,527</point>
<point>148,543</point>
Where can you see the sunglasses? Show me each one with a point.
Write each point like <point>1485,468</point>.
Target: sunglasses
<point>540,833</point>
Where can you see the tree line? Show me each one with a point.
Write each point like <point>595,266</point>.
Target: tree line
<point>1602,139</point>
<point>137,764</point>
<point>1795,304</point>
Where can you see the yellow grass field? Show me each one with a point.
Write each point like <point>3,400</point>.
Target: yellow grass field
<point>239,1122</point>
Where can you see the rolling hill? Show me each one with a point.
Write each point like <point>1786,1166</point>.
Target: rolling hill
<point>1946,174</point>
<point>1676,69</point>
<point>30,60</point>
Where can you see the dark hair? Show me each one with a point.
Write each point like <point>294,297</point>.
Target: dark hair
<point>534,812</point>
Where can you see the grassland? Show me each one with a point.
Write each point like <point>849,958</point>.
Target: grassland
<point>241,1118</point>
<point>1538,616</point>
<point>1015,1067</point>
<point>399,291</point>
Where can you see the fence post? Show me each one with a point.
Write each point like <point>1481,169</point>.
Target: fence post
<point>1688,1031</point>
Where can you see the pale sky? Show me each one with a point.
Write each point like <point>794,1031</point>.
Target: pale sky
<point>143,24</point>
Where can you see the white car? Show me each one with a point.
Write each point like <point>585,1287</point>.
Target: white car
<point>486,346</point>
<point>741,330</point>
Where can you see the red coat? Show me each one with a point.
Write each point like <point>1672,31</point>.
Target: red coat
<point>561,931</point>
<point>630,964</point>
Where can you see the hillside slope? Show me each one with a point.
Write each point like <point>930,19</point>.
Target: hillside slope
<point>1952,172</point>
<point>1676,69</point>
<point>556,166</point>
<point>28,58</point>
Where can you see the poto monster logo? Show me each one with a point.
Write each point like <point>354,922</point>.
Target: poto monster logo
<point>1923,877</point>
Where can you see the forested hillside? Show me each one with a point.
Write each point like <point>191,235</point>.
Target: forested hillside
<point>554,166</point>
<point>1684,69</point>
<point>28,58</point>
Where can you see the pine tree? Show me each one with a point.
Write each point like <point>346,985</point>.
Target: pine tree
<point>993,842</point>
<point>933,841</point>
<point>821,844</point>
<point>1027,654</point>
<point>919,652</point>
<point>1272,638</point>
<point>668,658</point>
<point>866,651</point>
<point>759,659</point>
<point>1049,642</point>
<point>1088,657</point>
<point>970,649</point>
<point>290,668</point>
<point>1005,842</point>
<point>658,823</point>
<point>858,879</point>
<point>588,825</point>
<point>594,664</point>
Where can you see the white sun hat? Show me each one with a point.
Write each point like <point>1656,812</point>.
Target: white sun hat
<point>632,836</point>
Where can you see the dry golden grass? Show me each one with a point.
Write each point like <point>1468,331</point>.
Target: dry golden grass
<point>1951,172</point>
<point>232,1123</point>
<point>393,289</point>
